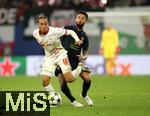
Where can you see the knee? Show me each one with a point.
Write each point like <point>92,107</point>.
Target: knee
<point>70,80</point>
<point>45,81</point>
<point>86,76</point>
<point>88,80</point>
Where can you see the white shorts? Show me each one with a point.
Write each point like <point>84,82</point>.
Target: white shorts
<point>50,63</point>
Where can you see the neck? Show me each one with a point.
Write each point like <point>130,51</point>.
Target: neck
<point>79,28</point>
<point>45,32</point>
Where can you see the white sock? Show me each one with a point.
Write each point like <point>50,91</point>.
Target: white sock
<point>49,88</point>
<point>76,72</point>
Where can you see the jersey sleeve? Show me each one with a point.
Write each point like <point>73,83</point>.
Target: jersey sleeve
<point>60,31</point>
<point>35,35</point>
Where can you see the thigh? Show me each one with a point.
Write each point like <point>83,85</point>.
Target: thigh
<point>64,65</point>
<point>63,62</point>
<point>48,67</point>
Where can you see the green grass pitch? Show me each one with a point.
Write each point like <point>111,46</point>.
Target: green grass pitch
<point>112,96</point>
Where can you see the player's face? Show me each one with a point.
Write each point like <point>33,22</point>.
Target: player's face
<point>80,20</point>
<point>43,25</point>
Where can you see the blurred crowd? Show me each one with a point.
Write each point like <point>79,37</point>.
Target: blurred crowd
<point>128,3</point>
<point>6,48</point>
<point>76,4</point>
<point>63,4</point>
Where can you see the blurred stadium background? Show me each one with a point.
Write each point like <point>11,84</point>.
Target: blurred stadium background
<point>21,56</point>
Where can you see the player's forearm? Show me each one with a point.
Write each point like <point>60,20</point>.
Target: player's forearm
<point>83,55</point>
<point>73,34</point>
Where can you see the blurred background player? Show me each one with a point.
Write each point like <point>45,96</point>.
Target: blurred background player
<point>109,48</point>
<point>55,54</point>
<point>76,54</point>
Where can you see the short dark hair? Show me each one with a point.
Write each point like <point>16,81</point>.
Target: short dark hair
<point>82,12</point>
<point>41,17</point>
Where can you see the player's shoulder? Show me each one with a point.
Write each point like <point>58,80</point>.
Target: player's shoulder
<point>69,27</point>
<point>35,32</point>
<point>54,29</point>
<point>114,31</point>
<point>104,31</point>
<point>84,32</point>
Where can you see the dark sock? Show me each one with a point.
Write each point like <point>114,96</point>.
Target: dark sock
<point>85,87</point>
<point>65,89</point>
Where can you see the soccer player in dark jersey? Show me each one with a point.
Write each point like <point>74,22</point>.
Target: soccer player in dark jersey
<point>76,55</point>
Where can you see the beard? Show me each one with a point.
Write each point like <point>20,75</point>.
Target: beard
<point>80,26</point>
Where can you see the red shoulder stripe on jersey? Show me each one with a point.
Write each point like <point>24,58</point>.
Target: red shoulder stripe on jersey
<point>65,32</point>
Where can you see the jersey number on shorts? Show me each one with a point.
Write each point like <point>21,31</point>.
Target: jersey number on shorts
<point>66,61</point>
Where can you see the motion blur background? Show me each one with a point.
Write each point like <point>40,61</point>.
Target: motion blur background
<point>20,54</point>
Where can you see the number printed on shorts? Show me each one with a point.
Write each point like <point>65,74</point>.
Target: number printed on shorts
<point>66,61</point>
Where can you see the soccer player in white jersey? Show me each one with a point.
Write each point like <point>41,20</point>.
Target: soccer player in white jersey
<point>55,54</point>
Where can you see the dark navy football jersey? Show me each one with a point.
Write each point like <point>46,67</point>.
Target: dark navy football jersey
<point>69,43</point>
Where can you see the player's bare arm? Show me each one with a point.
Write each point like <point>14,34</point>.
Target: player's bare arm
<point>83,55</point>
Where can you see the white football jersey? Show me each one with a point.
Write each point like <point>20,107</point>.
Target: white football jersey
<point>52,37</point>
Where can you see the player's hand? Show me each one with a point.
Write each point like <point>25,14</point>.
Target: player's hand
<point>81,57</point>
<point>100,51</point>
<point>79,42</point>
